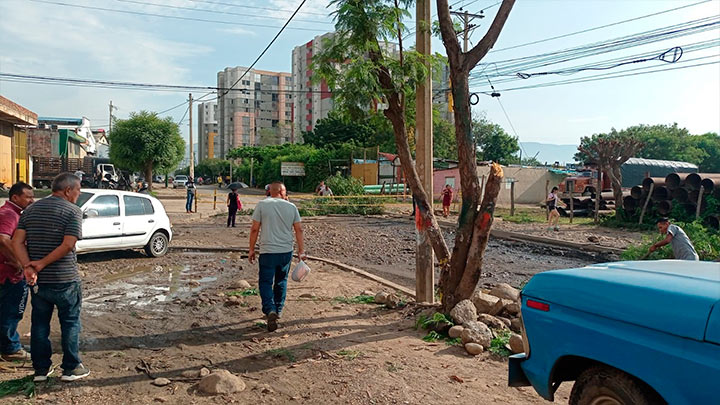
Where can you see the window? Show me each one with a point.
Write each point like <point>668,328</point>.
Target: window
<point>138,206</point>
<point>106,206</point>
<point>84,197</point>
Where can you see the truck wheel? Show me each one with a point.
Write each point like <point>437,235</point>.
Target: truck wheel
<point>158,245</point>
<point>604,385</point>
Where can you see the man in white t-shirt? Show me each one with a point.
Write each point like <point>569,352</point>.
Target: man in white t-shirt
<point>275,219</point>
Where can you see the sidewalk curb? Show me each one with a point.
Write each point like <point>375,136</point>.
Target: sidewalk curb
<point>340,265</point>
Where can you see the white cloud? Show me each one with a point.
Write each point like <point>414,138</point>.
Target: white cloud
<point>237,31</point>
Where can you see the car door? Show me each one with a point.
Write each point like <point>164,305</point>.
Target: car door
<point>102,223</point>
<point>138,222</point>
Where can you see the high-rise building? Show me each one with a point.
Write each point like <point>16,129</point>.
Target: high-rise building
<point>207,130</point>
<point>258,111</point>
<point>311,101</point>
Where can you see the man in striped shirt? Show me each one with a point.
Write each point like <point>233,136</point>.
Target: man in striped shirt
<point>45,244</point>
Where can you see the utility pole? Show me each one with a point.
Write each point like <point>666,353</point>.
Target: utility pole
<point>111,116</point>
<point>467,26</point>
<point>424,257</point>
<point>192,155</point>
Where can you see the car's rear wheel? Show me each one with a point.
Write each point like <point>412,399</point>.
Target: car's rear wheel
<point>158,245</point>
<point>603,385</point>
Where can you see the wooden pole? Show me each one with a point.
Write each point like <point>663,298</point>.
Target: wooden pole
<point>512,198</point>
<point>424,258</point>
<point>571,186</point>
<point>482,186</point>
<point>215,199</point>
<point>699,202</point>
<point>647,200</point>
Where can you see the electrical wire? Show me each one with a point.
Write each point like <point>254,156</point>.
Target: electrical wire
<point>57,3</point>
<point>216,11</point>
<point>266,48</point>
<point>255,7</point>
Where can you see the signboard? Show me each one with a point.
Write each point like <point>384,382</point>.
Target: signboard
<point>292,169</point>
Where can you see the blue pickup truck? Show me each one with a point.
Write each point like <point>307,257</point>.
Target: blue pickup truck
<point>644,332</point>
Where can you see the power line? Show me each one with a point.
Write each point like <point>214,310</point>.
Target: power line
<point>254,7</point>
<point>169,16</point>
<point>172,108</point>
<point>266,48</point>
<point>215,11</point>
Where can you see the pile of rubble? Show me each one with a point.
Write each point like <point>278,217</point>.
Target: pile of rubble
<point>485,315</point>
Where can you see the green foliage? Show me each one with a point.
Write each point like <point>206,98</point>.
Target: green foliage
<point>24,386</point>
<point>493,142</point>
<point>453,341</point>
<point>350,354</point>
<point>212,168</point>
<point>244,293</point>
<point>145,142</point>
<point>282,353</point>
<point>343,206</point>
<point>432,336</point>
<point>260,325</point>
<point>444,142</point>
<point>430,322</point>
<point>705,240</point>
<point>358,299</point>
<point>342,185</point>
<point>498,343</point>
<point>340,127</point>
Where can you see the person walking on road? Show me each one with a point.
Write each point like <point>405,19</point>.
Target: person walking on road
<point>682,247</point>
<point>552,201</point>
<point>233,203</point>
<point>274,219</point>
<point>219,180</point>
<point>13,288</point>
<point>190,185</point>
<point>45,244</point>
<point>447,195</point>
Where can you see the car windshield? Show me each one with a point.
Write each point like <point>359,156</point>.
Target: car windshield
<point>181,178</point>
<point>84,197</point>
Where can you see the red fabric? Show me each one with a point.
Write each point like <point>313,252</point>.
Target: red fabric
<point>9,218</point>
<point>447,196</point>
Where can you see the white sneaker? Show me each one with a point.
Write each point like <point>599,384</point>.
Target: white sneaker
<point>42,375</point>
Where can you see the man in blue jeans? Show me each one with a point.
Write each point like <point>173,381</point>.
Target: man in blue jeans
<point>45,245</point>
<point>13,289</point>
<point>274,219</point>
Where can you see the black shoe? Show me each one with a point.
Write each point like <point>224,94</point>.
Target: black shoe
<point>272,321</point>
<point>42,375</point>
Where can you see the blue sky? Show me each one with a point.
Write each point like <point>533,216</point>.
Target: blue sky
<point>54,40</point>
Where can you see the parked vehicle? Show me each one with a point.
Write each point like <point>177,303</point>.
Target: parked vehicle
<point>93,170</point>
<point>180,181</point>
<point>119,220</point>
<point>158,179</point>
<point>644,332</point>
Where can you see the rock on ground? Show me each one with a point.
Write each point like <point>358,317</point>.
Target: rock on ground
<point>504,320</point>
<point>381,297</point>
<point>512,307</point>
<point>161,382</point>
<point>516,325</point>
<point>221,382</point>
<point>505,291</point>
<point>476,332</point>
<point>491,321</point>
<point>474,348</point>
<point>392,300</point>
<point>516,343</point>
<point>484,303</point>
<point>455,331</point>
<point>240,285</point>
<point>463,312</point>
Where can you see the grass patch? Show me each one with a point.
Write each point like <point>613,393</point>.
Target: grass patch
<point>261,325</point>
<point>350,354</point>
<point>497,344</point>
<point>528,216</point>
<point>392,367</point>
<point>429,322</point>
<point>432,336</point>
<point>453,341</point>
<point>356,205</point>
<point>358,299</point>
<point>24,386</point>
<point>282,353</point>
<point>243,293</point>
<point>705,240</point>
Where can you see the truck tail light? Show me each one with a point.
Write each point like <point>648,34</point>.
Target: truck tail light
<point>538,305</point>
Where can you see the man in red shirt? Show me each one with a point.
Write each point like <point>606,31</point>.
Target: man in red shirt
<point>13,289</point>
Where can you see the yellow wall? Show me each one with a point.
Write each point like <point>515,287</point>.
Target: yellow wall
<point>211,145</point>
<point>367,172</point>
<point>21,156</point>
<point>6,160</point>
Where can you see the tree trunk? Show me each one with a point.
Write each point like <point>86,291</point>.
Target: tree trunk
<point>148,176</point>
<point>616,181</point>
<point>598,193</point>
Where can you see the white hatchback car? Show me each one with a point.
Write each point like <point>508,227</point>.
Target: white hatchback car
<point>118,220</point>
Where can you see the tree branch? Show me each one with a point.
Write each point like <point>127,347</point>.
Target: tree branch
<point>479,51</point>
<point>448,34</point>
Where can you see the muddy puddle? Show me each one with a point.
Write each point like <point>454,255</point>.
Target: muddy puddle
<point>144,286</point>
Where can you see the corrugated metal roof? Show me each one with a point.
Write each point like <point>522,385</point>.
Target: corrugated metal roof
<point>660,163</point>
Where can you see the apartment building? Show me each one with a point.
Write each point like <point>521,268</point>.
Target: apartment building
<point>311,101</point>
<point>207,130</point>
<point>257,111</point>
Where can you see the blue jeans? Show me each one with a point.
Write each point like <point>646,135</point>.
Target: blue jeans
<point>67,297</point>
<point>188,204</point>
<point>13,298</point>
<point>274,268</point>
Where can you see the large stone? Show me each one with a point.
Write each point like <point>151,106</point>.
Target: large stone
<point>221,382</point>
<point>240,285</point>
<point>161,382</point>
<point>381,297</point>
<point>392,301</point>
<point>512,307</point>
<point>491,321</point>
<point>455,331</point>
<point>516,343</point>
<point>505,291</point>
<point>464,311</point>
<point>476,332</point>
<point>504,320</point>
<point>484,303</point>
<point>474,348</point>
<point>516,325</point>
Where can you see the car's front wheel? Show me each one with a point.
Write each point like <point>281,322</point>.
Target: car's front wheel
<point>603,385</point>
<point>158,245</point>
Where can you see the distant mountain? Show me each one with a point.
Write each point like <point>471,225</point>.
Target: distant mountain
<point>550,153</point>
